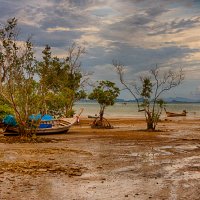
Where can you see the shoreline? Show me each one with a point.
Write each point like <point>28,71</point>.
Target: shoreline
<point>163,118</point>
<point>126,162</point>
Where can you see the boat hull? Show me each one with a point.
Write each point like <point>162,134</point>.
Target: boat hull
<point>59,126</point>
<point>47,131</point>
<point>175,114</point>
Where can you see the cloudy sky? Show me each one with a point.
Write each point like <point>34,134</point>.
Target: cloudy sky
<point>139,33</point>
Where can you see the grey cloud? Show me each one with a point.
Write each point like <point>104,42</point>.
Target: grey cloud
<point>129,24</point>
<point>156,11</point>
<point>137,20</point>
<point>40,37</point>
<point>70,20</point>
<point>7,10</point>
<point>66,17</point>
<point>175,26</point>
<point>138,58</point>
<point>88,3</point>
<point>80,4</point>
<point>56,1</point>
<point>56,39</point>
<point>134,25</point>
<point>120,39</point>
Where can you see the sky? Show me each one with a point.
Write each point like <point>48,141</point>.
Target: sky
<point>139,33</point>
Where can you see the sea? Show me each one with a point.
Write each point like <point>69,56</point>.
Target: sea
<point>130,110</point>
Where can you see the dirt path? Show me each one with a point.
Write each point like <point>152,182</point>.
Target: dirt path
<point>122,163</point>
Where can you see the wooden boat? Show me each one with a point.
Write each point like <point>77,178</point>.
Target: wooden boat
<point>48,127</point>
<point>171,114</point>
<point>52,126</point>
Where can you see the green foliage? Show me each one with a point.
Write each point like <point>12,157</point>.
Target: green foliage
<point>58,87</point>
<point>151,104</point>
<point>17,66</point>
<point>60,83</point>
<point>81,94</point>
<point>146,88</point>
<point>5,110</point>
<point>105,93</point>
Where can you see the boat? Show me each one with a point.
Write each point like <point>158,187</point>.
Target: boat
<point>172,114</point>
<point>47,127</point>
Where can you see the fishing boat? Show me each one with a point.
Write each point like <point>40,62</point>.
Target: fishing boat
<point>47,127</point>
<point>172,114</point>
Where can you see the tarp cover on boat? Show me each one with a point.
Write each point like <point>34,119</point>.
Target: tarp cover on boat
<point>47,118</point>
<point>43,118</point>
<point>45,126</point>
<point>10,120</point>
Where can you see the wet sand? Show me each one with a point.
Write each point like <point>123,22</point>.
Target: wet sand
<point>126,162</point>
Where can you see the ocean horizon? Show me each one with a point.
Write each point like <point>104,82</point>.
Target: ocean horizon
<point>130,109</point>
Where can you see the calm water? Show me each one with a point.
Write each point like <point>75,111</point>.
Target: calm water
<point>131,110</point>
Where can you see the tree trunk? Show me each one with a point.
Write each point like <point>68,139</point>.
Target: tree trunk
<point>150,125</point>
<point>69,111</point>
<point>150,122</point>
<point>101,113</point>
<point>69,108</point>
<point>22,131</point>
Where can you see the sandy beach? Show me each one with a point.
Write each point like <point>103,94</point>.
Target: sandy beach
<point>126,162</point>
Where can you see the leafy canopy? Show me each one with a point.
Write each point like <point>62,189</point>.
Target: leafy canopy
<point>105,93</point>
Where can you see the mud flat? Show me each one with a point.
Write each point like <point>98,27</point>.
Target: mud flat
<point>126,162</point>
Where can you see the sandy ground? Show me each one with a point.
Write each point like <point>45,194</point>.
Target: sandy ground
<point>91,164</point>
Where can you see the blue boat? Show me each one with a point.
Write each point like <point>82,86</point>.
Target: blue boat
<point>48,124</point>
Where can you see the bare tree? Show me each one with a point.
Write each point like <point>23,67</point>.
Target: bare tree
<point>77,79</point>
<point>149,89</point>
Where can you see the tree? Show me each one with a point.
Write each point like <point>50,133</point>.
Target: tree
<point>105,93</point>
<point>17,70</point>
<point>32,87</point>
<point>77,79</point>
<point>148,91</point>
<point>61,80</point>
<point>5,109</point>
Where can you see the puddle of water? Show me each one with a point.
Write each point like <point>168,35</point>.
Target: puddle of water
<point>187,147</point>
<point>135,154</point>
<point>125,169</point>
<point>164,151</point>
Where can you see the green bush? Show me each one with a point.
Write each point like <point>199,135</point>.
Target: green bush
<point>4,110</point>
